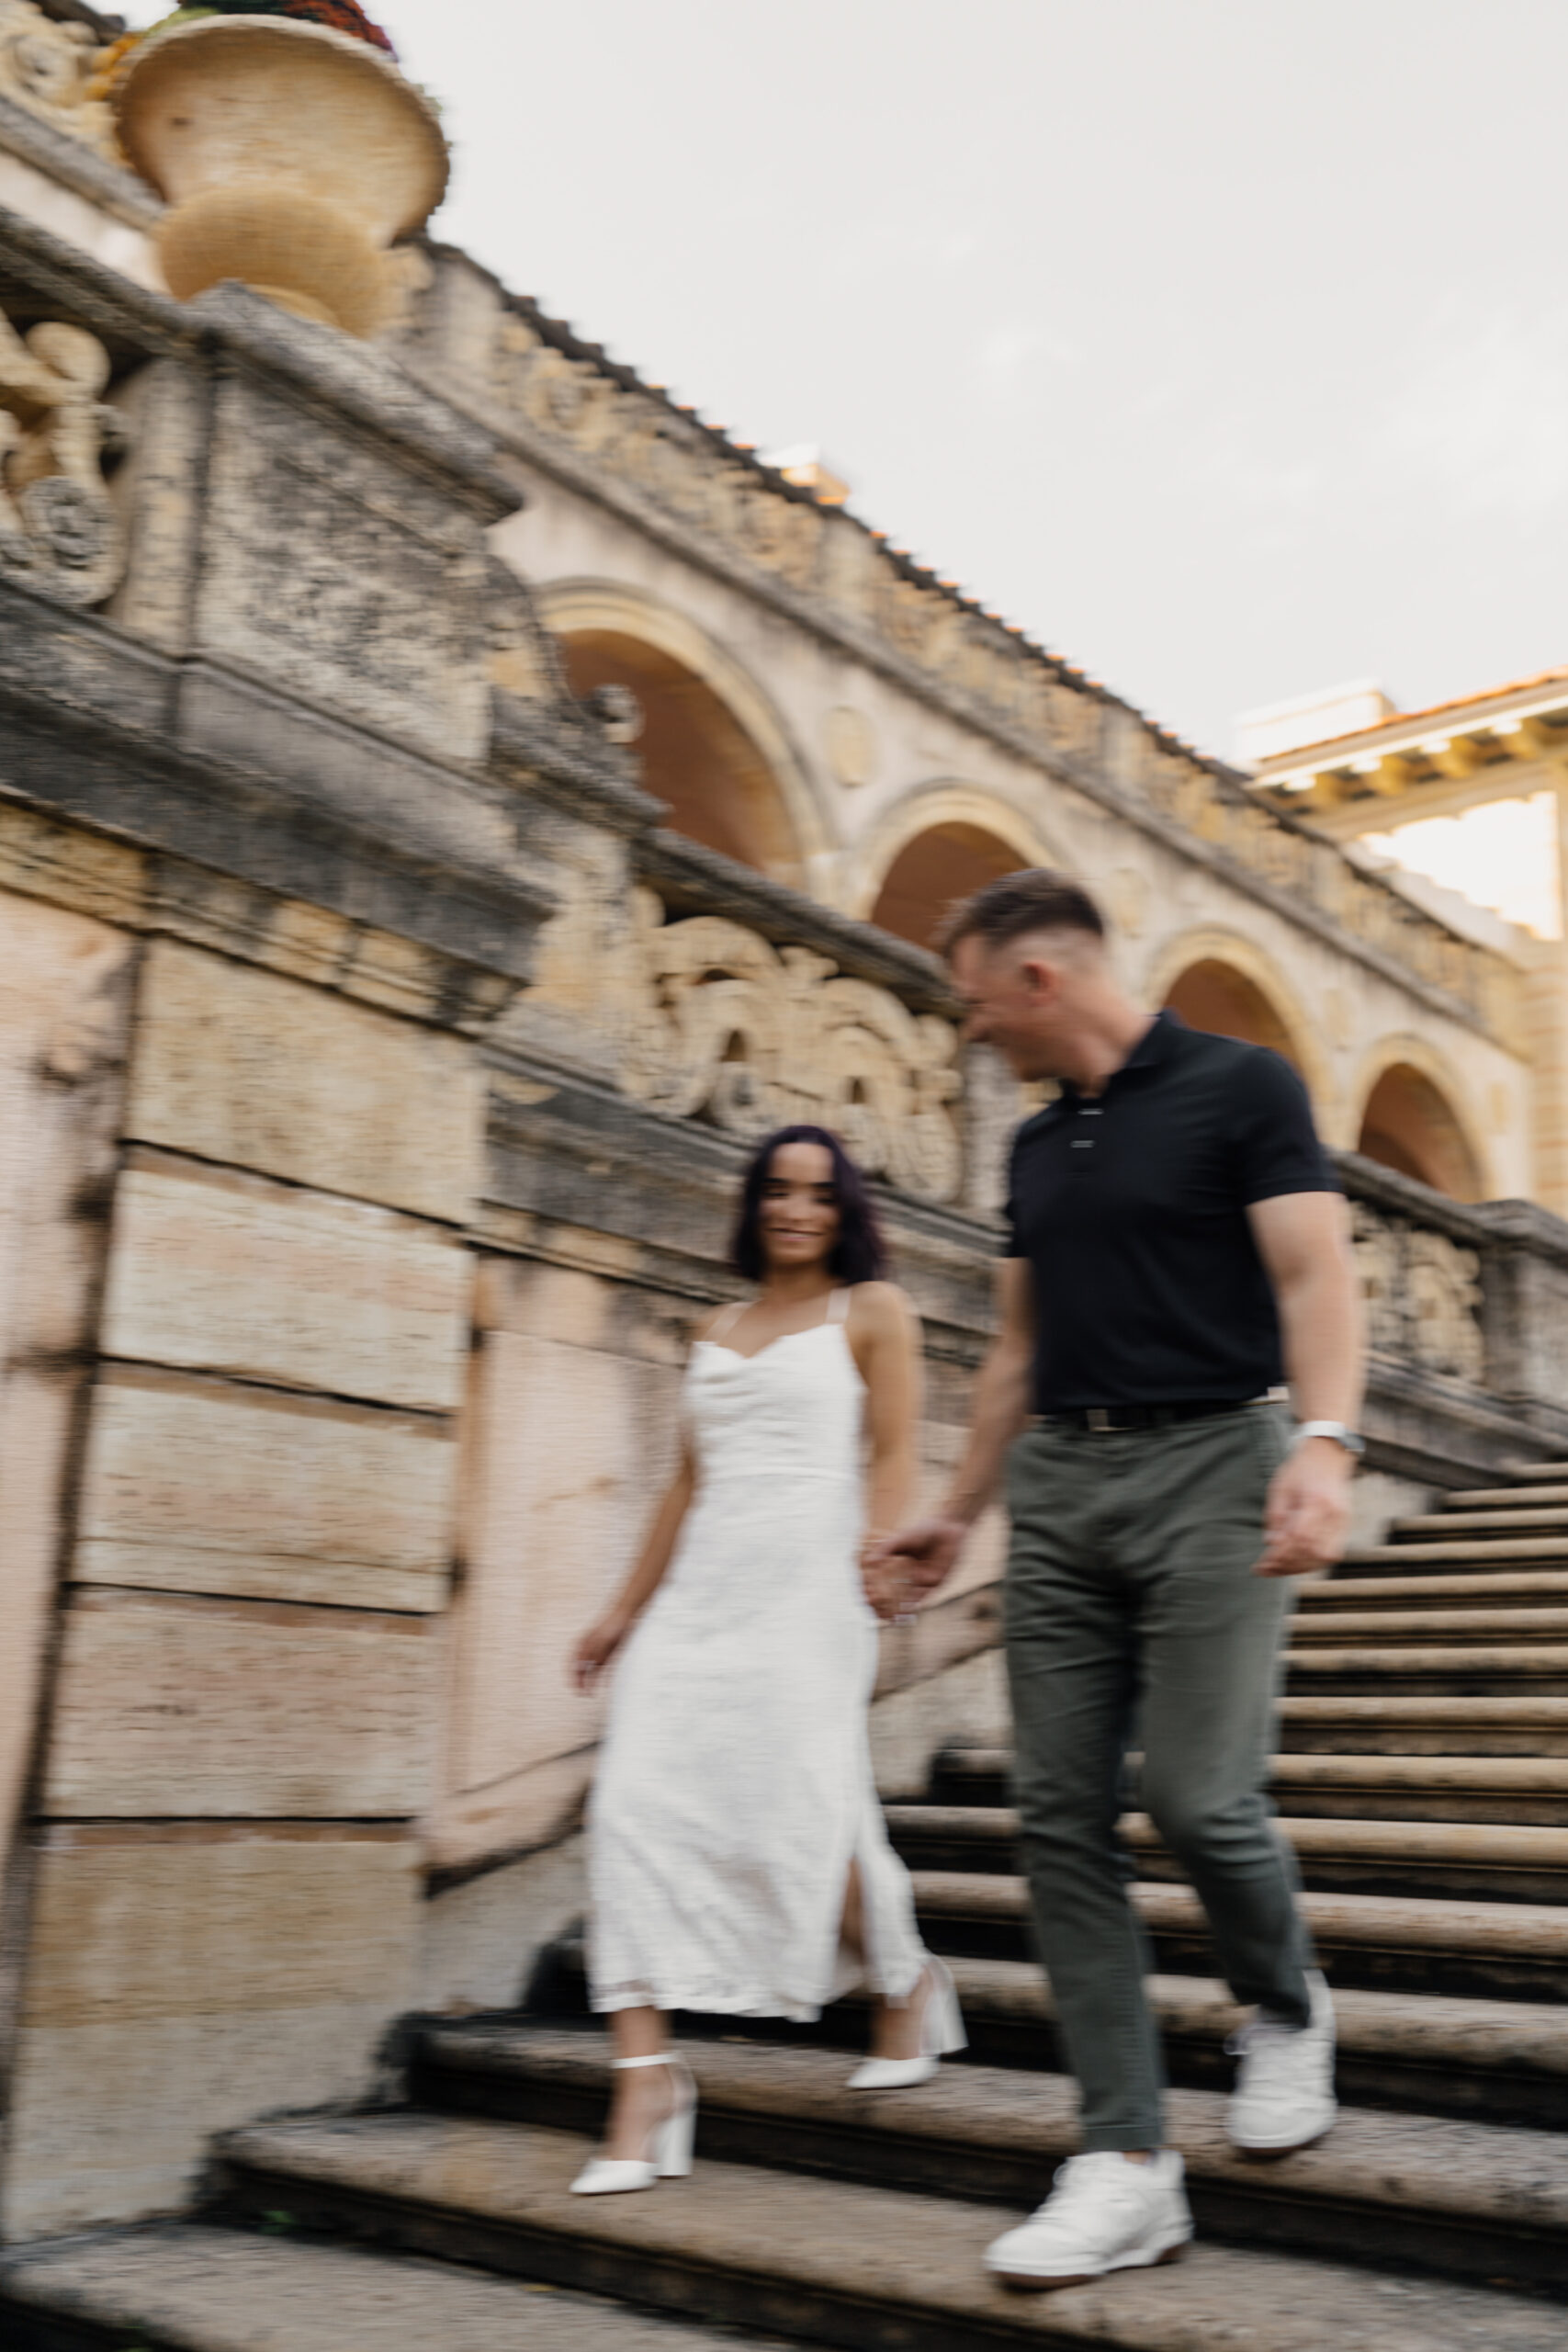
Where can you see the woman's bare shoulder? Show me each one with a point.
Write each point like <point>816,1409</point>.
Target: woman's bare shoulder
<point>879,1307</point>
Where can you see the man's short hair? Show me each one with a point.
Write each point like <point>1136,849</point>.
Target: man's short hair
<point>1015,904</point>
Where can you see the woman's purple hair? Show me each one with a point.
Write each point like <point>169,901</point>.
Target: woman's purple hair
<point>859,1255</point>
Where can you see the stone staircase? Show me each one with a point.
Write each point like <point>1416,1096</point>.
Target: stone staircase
<point>1424,1782</point>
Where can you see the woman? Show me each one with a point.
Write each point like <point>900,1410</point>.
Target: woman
<point>738,1860</point>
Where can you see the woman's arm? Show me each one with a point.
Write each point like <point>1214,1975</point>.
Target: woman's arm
<point>883,1335</point>
<point>603,1638</point>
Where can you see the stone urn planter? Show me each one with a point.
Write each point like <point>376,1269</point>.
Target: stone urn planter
<point>290,157</point>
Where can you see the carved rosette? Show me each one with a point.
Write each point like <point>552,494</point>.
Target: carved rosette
<point>59,531</point>
<point>1423,1296</point>
<point>716,1024</point>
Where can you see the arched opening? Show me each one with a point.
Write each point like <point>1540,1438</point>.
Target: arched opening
<point>945,863</point>
<point>695,755</point>
<point>1408,1125</point>
<point>1214,996</point>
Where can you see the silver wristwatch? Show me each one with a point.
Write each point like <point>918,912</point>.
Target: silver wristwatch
<point>1352,1441</point>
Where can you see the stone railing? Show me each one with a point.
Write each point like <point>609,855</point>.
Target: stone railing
<point>1466,1307</point>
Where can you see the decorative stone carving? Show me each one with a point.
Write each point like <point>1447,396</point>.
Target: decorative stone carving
<point>716,1024</point>
<point>1423,1296</point>
<point>58,530</point>
<point>47,69</point>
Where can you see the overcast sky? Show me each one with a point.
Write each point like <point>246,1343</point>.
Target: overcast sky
<point>1222,343</point>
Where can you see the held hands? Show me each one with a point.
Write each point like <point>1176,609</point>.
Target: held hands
<point>595,1649</point>
<point>1308,1511</point>
<point>911,1562</point>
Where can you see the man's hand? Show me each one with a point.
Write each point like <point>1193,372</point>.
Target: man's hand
<point>1308,1511</point>
<point>922,1556</point>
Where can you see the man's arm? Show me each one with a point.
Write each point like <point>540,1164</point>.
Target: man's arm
<point>923,1554</point>
<point>1304,1241</point>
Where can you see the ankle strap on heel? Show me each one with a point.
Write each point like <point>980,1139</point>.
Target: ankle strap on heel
<point>662,2058</point>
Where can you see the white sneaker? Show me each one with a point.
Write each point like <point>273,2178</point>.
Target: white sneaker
<point>1284,2090</point>
<point>1103,2214</point>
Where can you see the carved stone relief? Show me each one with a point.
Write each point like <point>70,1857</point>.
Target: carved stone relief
<point>716,1024</point>
<point>59,531</point>
<point>47,68</point>
<point>1423,1296</point>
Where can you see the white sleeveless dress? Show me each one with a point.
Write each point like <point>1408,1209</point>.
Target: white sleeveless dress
<point>735,1785</point>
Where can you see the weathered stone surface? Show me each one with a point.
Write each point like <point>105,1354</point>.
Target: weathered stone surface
<point>62,1012</point>
<point>238,1275</point>
<point>171,1706</point>
<point>202,1485</point>
<point>342,576</point>
<point>743,2242</point>
<point>230,2291</point>
<point>183,1978</point>
<point>238,1065</point>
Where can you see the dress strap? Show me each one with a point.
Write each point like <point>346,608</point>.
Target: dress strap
<point>729,1317</point>
<point>838,1306</point>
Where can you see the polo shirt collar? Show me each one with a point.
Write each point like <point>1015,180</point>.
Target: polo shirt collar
<point>1156,1045</point>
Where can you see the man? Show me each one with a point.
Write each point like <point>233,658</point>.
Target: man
<point>1177,1247</point>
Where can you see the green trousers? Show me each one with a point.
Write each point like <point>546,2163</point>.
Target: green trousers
<point>1133,1617</point>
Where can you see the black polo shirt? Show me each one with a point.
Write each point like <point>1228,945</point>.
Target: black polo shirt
<point>1130,1208</point>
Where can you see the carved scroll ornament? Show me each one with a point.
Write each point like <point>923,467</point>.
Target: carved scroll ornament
<point>48,69</point>
<point>1423,1296</point>
<point>58,530</point>
<point>720,1026</point>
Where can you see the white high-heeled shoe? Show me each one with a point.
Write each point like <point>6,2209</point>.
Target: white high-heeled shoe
<point>669,2143</point>
<point>941,2033</point>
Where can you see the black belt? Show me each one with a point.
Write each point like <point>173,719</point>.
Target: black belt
<point>1103,1418</point>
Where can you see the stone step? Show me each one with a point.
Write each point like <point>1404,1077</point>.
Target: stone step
<point>1470,1860</point>
<point>1505,2061</point>
<point>843,2205</point>
<point>1500,1591</point>
<point>1408,1943</point>
<point>1440,1525</point>
<point>1503,1497</point>
<point>1525,1474</point>
<point>1371,1786</point>
<point>1394,1627</point>
<point>191,2288</point>
<point>1425,1726</point>
<point>1505,1788</point>
<point>1502,1669</point>
<point>1474,1554</point>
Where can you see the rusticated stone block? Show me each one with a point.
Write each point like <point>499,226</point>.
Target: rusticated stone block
<point>183,1979</point>
<point>172,1705</point>
<point>238,1275</point>
<point>195,1486</point>
<point>241,1066</point>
